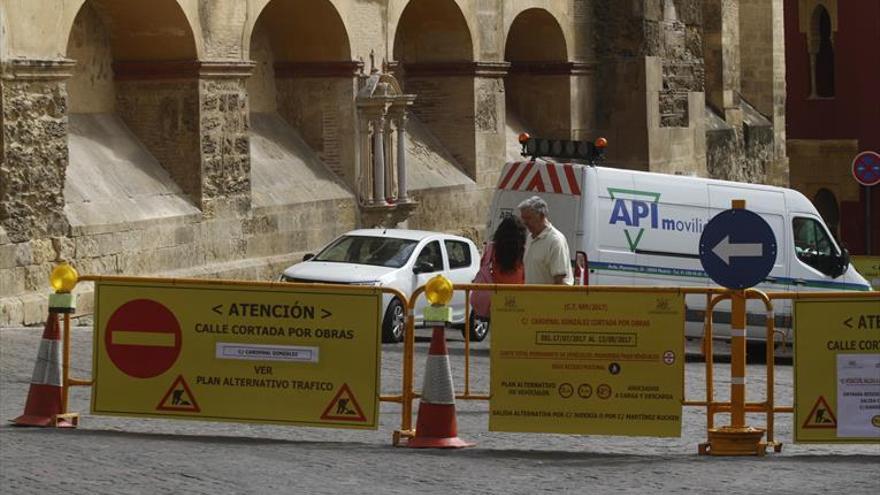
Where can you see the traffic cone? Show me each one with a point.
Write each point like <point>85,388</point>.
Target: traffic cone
<point>436,426</point>
<point>44,398</point>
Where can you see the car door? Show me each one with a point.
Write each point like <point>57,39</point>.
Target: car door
<point>462,268</point>
<point>431,252</point>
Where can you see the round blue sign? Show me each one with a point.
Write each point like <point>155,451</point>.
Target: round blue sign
<point>737,249</point>
<point>866,168</point>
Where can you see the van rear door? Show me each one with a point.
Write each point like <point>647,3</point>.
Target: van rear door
<point>559,184</point>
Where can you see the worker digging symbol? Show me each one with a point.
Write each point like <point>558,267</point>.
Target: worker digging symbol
<point>344,407</point>
<point>176,398</point>
<point>179,398</point>
<point>821,415</point>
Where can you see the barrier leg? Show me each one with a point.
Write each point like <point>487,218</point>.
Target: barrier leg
<point>737,439</point>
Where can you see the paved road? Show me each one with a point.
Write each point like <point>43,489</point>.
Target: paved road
<point>128,455</point>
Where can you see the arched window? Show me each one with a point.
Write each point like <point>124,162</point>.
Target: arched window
<point>823,64</point>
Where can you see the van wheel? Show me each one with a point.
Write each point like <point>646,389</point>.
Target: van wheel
<point>394,323</point>
<point>479,328</point>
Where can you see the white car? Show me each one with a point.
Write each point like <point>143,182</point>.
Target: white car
<point>397,258</point>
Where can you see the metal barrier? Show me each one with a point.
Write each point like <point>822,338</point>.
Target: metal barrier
<point>737,407</point>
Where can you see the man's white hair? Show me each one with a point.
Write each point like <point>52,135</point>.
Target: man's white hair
<point>535,204</point>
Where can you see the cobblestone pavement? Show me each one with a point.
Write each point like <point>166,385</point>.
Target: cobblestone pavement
<point>112,455</point>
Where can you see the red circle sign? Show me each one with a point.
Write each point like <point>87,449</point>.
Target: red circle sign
<point>143,338</point>
<point>866,168</point>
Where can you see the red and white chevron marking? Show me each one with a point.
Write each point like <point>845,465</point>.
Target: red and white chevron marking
<point>559,178</point>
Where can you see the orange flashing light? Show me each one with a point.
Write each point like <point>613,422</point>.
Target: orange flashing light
<point>601,143</point>
<point>523,137</point>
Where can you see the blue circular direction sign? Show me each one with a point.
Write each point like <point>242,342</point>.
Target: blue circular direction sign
<point>737,249</point>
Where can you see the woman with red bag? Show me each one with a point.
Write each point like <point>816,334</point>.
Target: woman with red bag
<point>501,263</point>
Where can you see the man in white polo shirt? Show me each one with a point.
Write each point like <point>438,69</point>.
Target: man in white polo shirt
<point>546,260</point>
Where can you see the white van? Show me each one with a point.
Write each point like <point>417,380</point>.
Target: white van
<point>639,228</point>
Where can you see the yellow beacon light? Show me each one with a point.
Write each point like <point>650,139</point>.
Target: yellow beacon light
<point>438,290</point>
<point>63,278</point>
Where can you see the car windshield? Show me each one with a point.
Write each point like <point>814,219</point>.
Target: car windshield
<point>364,250</point>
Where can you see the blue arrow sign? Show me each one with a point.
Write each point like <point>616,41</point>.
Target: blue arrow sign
<point>737,249</point>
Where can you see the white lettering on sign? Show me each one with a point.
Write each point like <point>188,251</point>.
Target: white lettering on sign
<point>257,352</point>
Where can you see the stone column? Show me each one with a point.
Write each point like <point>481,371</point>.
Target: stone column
<point>33,99</point>
<point>364,172</point>
<point>224,137</point>
<point>379,160</point>
<point>489,121</point>
<point>389,158</point>
<point>401,158</point>
<point>722,57</point>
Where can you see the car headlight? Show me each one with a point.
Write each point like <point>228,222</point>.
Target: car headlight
<point>373,283</point>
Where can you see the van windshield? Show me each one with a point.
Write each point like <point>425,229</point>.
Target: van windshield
<point>366,250</point>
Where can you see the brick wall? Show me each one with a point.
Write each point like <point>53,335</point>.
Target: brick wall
<point>446,106</point>
<point>322,110</point>
<point>164,115</point>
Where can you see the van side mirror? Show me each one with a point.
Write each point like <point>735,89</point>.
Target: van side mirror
<point>423,267</point>
<point>308,256</point>
<point>842,263</point>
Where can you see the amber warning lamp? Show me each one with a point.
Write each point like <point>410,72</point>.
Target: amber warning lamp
<point>564,149</point>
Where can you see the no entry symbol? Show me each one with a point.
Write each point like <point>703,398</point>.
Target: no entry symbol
<point>143,338</point>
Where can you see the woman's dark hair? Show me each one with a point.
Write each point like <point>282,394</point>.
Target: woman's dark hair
<point>510,242</point>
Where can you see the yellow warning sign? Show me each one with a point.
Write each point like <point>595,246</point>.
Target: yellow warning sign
<point>821,416</point>
<point>179,398</point>
<point>836,370</point>
<point>344,407</point>
<point>587,363</point>
<point>215,351</point>
<point>868,267</point>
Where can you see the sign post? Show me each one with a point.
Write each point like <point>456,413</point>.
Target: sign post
<point>737,250</point>
<point>866,170</point>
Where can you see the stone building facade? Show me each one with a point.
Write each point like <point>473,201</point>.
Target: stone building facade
<point>835,108</point>
<point>224,138</point>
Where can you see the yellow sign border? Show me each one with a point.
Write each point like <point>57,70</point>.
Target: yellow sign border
<point>153,283</point>
<point>802,346</point>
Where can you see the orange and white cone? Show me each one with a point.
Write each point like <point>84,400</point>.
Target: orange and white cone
<point>44,398</point>
<point>436,426</point>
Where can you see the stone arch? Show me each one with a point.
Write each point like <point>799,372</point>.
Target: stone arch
<point>145,29</point>
<point>812,14</point>
<point>304,30</point>
<point>538,85</point>
<point>137,72</point>
<point>305,74</point>
<point>434,58</point>
<point>433,31</point>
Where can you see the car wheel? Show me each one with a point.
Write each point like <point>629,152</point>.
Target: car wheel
<point>394,323</point>
<point>479,328</point>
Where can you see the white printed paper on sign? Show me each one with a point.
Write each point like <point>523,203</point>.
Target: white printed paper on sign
<point>858,395</point>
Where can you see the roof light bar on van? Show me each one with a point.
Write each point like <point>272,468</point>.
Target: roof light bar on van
<point>564,149</point>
